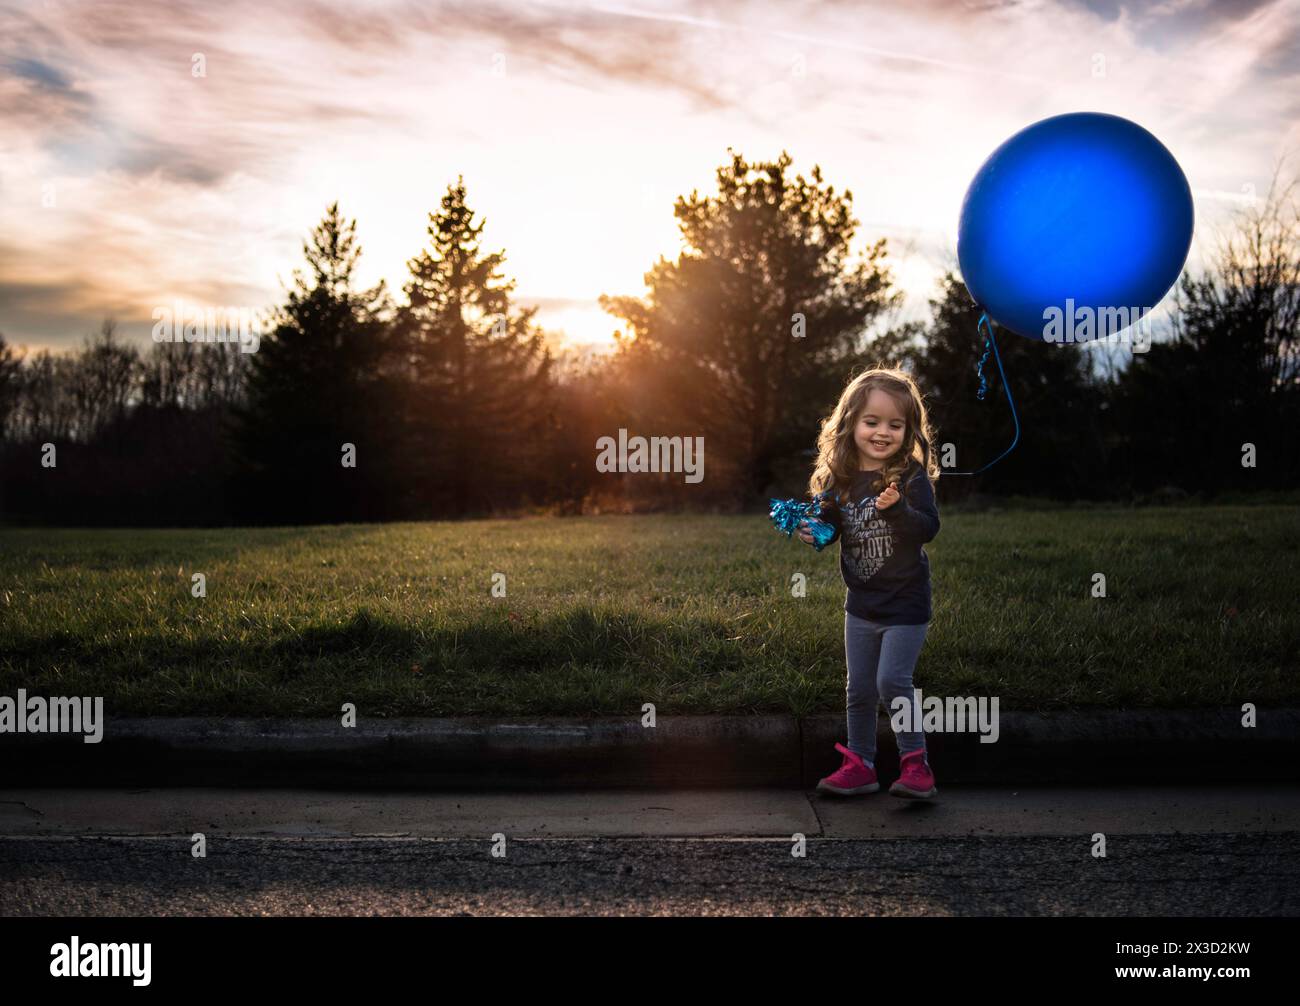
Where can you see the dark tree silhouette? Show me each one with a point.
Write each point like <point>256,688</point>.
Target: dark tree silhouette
<point>479,413</point>
<point>11,378</point>
<point>1230,376</point>
<point>318,382</point>
<point>1061,450</point>
<point>756,326</point>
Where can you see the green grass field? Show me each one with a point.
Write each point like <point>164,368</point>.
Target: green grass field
<point>602,614</point>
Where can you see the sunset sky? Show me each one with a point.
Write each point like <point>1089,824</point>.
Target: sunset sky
<point>127,183</point>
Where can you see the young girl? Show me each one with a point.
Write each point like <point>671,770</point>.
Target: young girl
<point>874,456</point>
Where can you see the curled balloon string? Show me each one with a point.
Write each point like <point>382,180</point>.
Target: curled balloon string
<point>992,343</point>
<point>979,367</point>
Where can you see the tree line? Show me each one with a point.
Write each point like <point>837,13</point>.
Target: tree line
<point>447,401</point>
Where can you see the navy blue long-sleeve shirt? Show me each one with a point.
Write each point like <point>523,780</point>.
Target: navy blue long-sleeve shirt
<point>886,571</point>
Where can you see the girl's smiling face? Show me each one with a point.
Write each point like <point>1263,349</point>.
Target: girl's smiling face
<point>880,430</point>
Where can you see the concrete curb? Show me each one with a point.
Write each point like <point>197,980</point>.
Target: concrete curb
<point>1103,748</point>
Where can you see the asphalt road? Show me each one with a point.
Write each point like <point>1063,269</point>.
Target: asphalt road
<point>1167,852</point>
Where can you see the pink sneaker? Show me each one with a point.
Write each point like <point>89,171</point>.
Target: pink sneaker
<point>916,782</point>
<point>853,776</point>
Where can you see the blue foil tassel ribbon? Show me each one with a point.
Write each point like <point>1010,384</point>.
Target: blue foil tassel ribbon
<point>788,514</point>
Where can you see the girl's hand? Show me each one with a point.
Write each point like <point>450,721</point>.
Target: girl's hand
<point>804,534</point>
<point>887,498</point>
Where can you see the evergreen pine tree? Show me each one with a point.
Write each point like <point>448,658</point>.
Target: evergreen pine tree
<point>316,383</point>
<point>479,415</point>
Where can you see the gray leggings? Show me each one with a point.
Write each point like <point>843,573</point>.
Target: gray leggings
<point>880,659</point>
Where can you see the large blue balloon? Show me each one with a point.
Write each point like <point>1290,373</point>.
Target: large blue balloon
<point>1079,212</point>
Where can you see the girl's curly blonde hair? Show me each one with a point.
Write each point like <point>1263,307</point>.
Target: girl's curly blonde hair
<point>837,455</point>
